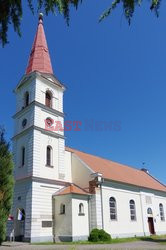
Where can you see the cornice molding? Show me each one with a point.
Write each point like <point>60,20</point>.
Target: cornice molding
<point>42,130</point>
<point>43,180</point>
<point>38,104</point>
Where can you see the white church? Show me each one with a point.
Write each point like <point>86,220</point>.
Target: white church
<point>61,193</point>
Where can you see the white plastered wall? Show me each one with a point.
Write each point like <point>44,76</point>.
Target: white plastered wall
<point>20,92</point>
<point>80,223</point>
<point>63,222</point>
<point>26,141</point>
<point>58,170</point>
<point>42,210</point>
<point>67,166</point>
<point>81,174</point>
<point>124,227</point>
<point>42,86</point>
<point>27,114</point>
<point>154,199</point>
<point>71,225</point>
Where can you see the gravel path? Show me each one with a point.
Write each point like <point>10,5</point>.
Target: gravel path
<point>138,245</point>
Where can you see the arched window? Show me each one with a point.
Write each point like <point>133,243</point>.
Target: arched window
<point>81,208</point>
<point>113,210</point>
<point>22,156</point>
<point>48,99</point>
<point>149,210</point>
<point>49,156</point>
<point>62,208</point>
<point>26,99</point>
<point>161,208</point>
<point>132,210</point>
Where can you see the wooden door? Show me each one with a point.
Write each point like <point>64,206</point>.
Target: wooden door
<point>151,225</point>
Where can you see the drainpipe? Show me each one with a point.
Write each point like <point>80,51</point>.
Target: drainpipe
<point>102,214</point>
<point>142,214</point>
<point>53,218</point>
<point>89,214</point>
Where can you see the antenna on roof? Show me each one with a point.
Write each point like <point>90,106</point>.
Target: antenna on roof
<point>144,169</point>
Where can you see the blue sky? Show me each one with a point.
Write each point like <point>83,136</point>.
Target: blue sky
<point>113,73</point>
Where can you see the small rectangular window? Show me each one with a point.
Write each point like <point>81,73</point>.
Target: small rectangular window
<point>48,156</point>
<point>62,209</point>
<point>23,156</point>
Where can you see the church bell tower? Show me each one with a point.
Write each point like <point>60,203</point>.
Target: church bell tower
<point>38,145</point>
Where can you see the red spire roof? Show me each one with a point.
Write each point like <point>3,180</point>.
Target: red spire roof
<point>39,59</point>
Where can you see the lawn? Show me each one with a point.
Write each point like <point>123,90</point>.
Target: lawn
<point>155,238</point>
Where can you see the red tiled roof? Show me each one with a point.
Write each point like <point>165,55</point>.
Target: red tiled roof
<point>39,59</point>
<point>118,172</point>
<point>72,189</point>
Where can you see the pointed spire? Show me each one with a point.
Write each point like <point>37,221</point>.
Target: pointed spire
<point>39,59</point>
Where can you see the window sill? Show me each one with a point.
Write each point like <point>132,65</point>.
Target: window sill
<point>49,166</point>
<point>81,214</point>
<point>62,214</point>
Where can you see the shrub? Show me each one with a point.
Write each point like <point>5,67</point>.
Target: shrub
<point>104,236</point>
<point>99,235</point>
<point>94,235</point>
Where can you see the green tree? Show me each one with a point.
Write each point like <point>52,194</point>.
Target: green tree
<point>6,184</point>
<point>11,11</point>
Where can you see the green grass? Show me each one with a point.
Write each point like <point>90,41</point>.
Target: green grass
<point>155,238</point>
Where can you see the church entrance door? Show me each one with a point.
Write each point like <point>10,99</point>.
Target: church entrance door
<point>151,225</point>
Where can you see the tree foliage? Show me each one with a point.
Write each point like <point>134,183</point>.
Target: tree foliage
<point>11,11</point>
<point>6,184</point>
<point>129,7</point>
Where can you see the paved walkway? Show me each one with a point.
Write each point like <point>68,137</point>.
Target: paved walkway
<point>138,245</point>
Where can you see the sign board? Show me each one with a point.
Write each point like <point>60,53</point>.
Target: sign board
<point>11,217</point>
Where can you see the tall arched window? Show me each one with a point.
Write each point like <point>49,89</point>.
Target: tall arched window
<point>26,99</point>
<point>81,208</point>
<point>132,210</point>
<point>113,210</point>
<point>48,99</point>
<point>22,156</point>
<point>161,208</point>
<point>49,156</point>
